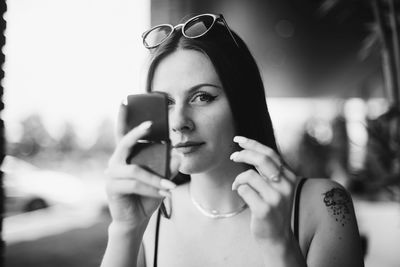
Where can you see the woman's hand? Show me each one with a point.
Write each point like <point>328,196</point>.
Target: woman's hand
<point>133,192</point>
<point>267,190</point>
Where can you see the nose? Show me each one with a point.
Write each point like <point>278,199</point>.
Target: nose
<point>180,119</point>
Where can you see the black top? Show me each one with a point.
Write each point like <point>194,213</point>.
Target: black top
<point>295,219</point>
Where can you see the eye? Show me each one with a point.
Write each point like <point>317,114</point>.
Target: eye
<point>203,97</point>
<point>170,101</point>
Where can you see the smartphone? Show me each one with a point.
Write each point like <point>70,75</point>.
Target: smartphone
<point>152,151</point>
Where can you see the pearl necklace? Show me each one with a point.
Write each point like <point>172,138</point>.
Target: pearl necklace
<point>214,214</point>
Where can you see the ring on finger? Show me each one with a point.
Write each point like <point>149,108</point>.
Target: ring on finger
<point>277,176</point>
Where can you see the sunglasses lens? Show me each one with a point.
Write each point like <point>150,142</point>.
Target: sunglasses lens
<point>157,35</point>
<point>198,26</point>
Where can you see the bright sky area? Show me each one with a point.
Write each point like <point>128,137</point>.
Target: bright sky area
<point>72,60</point>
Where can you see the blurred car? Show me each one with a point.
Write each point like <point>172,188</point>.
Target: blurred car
<point>28,188</point>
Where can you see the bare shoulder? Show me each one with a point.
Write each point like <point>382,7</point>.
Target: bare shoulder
<point>326,200</point>
<point>324,189</point>
<point>329,225</point>
<point>321,185</point>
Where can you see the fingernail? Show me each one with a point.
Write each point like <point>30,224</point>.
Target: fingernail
<point>239,139</point>
<point>164,193</point>
<point>234,155</point>
<point>145,125</point>
<point>167,184</point>
<point>233,186</point>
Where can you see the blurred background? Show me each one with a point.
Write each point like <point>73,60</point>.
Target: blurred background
<point>331,69</point>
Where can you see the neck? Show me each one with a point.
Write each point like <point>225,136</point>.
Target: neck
<point>213,190</point>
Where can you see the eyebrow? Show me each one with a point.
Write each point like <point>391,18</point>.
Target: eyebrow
<point>197,86</point>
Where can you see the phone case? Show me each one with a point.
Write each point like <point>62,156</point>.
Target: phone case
<point>153,157</point>
<point>148,107</point>
<point>152,152</point>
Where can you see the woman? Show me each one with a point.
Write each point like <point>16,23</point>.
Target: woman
<point>241,206</point>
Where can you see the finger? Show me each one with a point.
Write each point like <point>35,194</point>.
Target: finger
<point>251,144</point>
<point>120,125</point>
<point>124,146</point>
<point>247,143</point>
<point>290,175</point>
<point>263,163</point>
<point>256,204</point>
<point>263,188</point>
<point>243,177</point>
<point>270,192</point>
<point>130,186</point>
<point>135,172</point>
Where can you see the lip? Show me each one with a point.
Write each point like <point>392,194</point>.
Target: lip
<point>188,147</point>
<point>187,144</point>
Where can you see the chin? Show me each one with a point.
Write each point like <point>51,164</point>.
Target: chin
<point>193,166</point>
<point>189,169</point>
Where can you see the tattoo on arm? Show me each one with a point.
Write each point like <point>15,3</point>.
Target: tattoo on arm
<point>337,201</point>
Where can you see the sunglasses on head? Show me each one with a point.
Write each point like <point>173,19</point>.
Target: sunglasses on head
<point>193,28</point>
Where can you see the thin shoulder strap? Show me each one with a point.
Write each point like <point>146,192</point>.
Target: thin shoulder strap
<point>297,207</point>
<point>156,238</point>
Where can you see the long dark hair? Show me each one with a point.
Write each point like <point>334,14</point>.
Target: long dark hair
<point>238,72</point>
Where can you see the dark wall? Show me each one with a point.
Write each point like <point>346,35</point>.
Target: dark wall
<point>301,49</point>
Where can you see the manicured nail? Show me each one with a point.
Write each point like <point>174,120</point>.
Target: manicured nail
<point>233,186</point>
<point>167,184</point>
<point>164,193</point>
<point>239,139</point>
<point>145,125</point>
<point>234,155</point>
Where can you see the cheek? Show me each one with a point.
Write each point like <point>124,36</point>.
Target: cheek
<point>220,125</point>
<point>226,123</point>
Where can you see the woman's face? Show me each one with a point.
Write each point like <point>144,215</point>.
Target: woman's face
<point>200,118</point>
